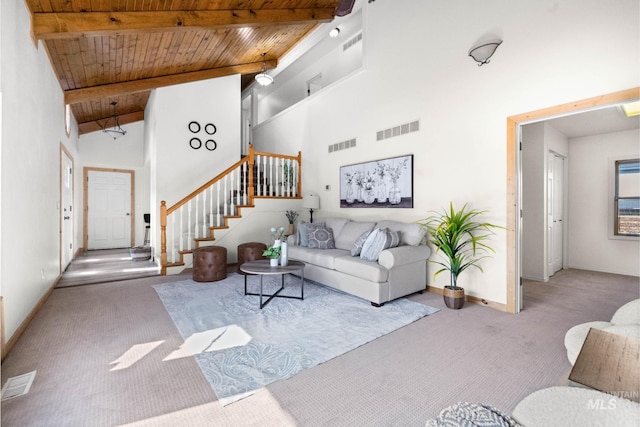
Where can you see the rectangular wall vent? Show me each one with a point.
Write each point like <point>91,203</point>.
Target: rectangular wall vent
<point>351,42</point>
<point>342,145</point>
<point>18,386</point>
<point>398,130</point>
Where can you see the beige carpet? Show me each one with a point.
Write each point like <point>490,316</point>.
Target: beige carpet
<point>109,355</point>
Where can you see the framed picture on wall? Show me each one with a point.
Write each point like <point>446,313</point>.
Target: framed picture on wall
<point>386,183</point>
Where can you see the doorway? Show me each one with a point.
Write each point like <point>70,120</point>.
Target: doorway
<point>514,193</point>
<point>66,208</point>
<point>108,208</point>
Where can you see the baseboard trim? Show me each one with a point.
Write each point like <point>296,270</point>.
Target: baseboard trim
<point>6,347</point>
<point>472,299</point>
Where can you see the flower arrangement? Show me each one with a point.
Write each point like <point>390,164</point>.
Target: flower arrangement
<point>396,170</point>
<point>291,216</point>
<point>358,178</point>
<point>381,170</point>
<point>368,181</point>
<point>272,252</point>
<point>277,233</point>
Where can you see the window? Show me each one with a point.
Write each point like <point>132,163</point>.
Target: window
<point>627,198</point>
<point>67,119</point>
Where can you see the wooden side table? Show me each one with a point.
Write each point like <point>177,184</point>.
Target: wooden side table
<point>263,268</point>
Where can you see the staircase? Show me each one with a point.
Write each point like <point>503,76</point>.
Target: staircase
<point>193,221</point>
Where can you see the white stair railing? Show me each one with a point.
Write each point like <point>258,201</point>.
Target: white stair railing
<point>195,216</point>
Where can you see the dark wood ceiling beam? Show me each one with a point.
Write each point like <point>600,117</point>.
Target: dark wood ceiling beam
<point>104,91</point>
<point>96,125</point>
<point>75,24</point>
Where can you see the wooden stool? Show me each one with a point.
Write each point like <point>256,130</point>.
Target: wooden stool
<point>251,251</point>
<point>209,263</point>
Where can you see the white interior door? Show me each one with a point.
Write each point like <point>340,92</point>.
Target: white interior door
<point>109,210</point>
<point>555,224</point>
<point>66,211</point>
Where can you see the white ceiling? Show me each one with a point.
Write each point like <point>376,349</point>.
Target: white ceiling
<point>595,122</point>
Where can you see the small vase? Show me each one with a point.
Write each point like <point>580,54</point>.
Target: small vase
<point>369,196</point>
<point>284,255</point>
<point>290,230</point>
<point>277,243</point>
<point>350,199</point>
<point>382,193</point>
<point>359,196</point>
<point>273,262</point>
<point>394,195</point>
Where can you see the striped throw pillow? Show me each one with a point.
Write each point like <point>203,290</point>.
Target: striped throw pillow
<point>379,240</point>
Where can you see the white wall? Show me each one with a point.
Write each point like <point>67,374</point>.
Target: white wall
<point>417,68</point>
<point>590,246</point>
<point>176,169</point>
<point>126,152</point>
<point>32,131</point>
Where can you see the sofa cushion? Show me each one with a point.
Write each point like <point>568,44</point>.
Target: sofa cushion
<point>321,258</point>
<point>321,238</point>
<point>379,240</point>
<point>303,231</point>
<point>350,232</point>
<point>410,233</point>
<point>356,248</point>
<point>335,224</point>
<point>367,270</point>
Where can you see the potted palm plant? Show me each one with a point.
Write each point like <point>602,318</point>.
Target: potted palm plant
<point>460,239</point>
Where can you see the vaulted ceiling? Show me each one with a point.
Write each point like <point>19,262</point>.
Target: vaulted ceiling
<point>119,50</point>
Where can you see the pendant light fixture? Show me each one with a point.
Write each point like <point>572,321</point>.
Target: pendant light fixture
<point>263,78</point>
<point>112,125</point>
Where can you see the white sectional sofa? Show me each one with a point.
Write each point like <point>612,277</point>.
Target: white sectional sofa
<point>396,271</point>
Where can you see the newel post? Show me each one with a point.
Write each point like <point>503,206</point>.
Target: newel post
<point>251,190</point>
<point>163,238</point>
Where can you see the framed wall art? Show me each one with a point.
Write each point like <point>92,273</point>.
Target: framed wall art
<point>386,183</point>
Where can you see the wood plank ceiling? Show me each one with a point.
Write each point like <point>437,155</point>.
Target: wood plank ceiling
<point>119,50</point>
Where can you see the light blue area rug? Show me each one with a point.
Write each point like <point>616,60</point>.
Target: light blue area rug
<point>241,348</point>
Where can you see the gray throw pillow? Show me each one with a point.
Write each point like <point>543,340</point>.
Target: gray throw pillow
<point>379,240</point>
<point>321,238</point>
<point>303,232</point>
<point>357,245</point>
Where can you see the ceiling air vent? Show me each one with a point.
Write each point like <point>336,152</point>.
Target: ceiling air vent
<point>351,42</point>
<point>350,143</point>
<point>398,130</point>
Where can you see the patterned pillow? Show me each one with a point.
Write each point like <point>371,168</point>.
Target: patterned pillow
<point>379,240</point>
<point>321,238</point>
<point>303,232</point>
<point>359,243</point>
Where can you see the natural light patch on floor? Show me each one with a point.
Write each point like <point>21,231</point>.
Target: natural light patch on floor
<point>132,270</point>
<point>261,409</point>
<point>212,340</point>
<point>134,354</point>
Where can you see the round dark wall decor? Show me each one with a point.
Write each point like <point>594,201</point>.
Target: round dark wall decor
<point>194,127</point>
<point>210,128</point>
<point>195,143</point>
<point>210,145</point>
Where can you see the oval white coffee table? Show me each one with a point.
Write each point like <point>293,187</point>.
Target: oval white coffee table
<point>263,268</point>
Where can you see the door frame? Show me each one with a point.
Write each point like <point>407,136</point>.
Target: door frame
<point>514,123</point>
<point>65,152</point>
<point>85,202</point>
